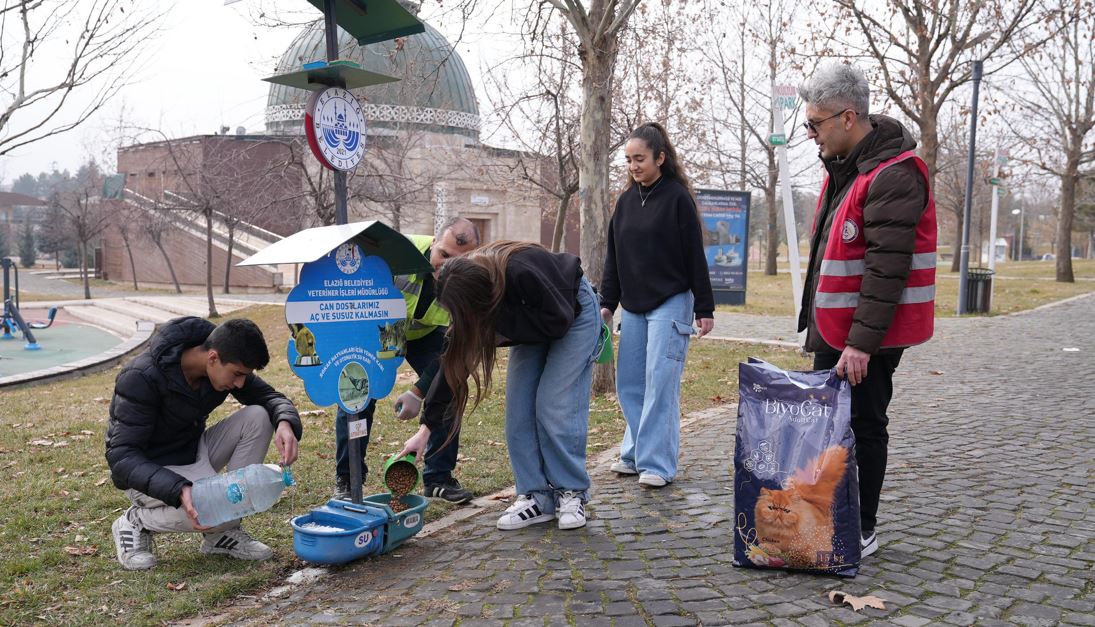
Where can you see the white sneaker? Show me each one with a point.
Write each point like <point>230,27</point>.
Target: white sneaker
<point>622,468</point>
<point>133,544</point>
<point>571,511</point>
<point>524,512</point>
<point>236,543</point>
<point>868,544</point>
<point>651,480</point>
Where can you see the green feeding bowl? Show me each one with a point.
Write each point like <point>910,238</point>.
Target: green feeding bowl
<point>399,470</point>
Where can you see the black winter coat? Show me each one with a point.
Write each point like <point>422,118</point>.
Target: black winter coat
<point>157,419</point>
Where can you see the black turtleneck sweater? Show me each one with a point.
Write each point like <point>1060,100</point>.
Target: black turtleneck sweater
<point>655,251</point>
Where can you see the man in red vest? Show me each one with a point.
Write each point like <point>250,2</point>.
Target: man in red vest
<point>870,285</point>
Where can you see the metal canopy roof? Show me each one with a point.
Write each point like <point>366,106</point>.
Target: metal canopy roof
<point>370,21</point>
<point>374,238</point>
<point>321,75</point>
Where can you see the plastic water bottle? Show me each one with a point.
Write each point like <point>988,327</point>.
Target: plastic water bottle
<point>239,493</point>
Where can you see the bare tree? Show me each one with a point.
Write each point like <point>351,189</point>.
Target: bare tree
<point>740,118</point>
<point>542,117</point>
<point>126,221</point>
<point>98,42</point>
<point>924,51</point>
<point>156,223</point>
<point>84,211</point>
<point>1056,103</point>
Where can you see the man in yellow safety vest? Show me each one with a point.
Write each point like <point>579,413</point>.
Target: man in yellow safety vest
<point>426,326</point>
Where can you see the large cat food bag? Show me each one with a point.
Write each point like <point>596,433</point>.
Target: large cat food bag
<point>796,487</point>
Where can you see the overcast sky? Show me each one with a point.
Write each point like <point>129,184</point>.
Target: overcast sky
<point>203,72</point>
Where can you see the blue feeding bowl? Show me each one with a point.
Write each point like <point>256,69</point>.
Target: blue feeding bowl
<point>338,532</point>
<point>399,526</point>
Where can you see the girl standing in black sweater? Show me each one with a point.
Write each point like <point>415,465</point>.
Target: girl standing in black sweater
<point>655,267</point>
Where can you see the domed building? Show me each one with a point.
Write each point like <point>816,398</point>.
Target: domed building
<point>434,92</point>
<point>424,163</point>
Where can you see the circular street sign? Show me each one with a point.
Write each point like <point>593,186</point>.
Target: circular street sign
<point>335,126</point>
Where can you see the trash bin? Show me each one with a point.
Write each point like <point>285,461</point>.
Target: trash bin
<point>978,290</point>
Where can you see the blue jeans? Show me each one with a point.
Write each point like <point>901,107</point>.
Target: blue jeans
<point>653,346</point>
<point>440,462</point>
<point>547,408</point>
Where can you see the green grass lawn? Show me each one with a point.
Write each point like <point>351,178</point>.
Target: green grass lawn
<point>1017,286</point>
<point>57,562</point>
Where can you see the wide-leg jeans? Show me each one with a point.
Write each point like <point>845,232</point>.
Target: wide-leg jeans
<point>653,347</point>
<point>547,408</point>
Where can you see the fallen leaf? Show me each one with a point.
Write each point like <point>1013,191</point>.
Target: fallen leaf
<point>176,586</point>
<point>60,443</point>
<point>100,482</point>
<point>81,550</point>
<point>86,432</point>
<point>41,442</point>
<point>935,372</point>
<point>718,399</point>
<point>314,412</point>
<point>80,538</point>
<point>857,603</point>
<point>63,493</point>
<point>101,399</point>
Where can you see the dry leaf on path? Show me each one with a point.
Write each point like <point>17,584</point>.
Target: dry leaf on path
<point>176,586</point>
<point>936,372</point>
<point>857,603</point>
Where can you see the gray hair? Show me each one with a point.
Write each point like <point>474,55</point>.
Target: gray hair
<point>837,86</point>
<point>464,230</point>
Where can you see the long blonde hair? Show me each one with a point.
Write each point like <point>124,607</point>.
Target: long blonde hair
<point>471,288</point>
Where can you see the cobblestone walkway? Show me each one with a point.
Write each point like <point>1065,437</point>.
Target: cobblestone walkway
<point>986,516</point>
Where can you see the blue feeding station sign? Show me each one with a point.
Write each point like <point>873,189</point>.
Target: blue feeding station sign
<point>347,320</point>
<point>347,324</point>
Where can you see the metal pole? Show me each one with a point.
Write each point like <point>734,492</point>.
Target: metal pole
<point>330,30</point>
<point>789,225</point>
<point>964,261</point>
<point>1022,223</point>
<point>995,208</point>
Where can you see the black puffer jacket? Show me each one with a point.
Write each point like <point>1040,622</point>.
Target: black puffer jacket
<point>157,419</point>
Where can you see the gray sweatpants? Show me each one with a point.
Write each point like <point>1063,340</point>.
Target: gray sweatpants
<point>239,440</point>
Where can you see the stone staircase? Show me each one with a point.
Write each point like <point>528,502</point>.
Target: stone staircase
<point>122,316</point>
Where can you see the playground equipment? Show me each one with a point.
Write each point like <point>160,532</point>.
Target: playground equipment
<point>12,319</point>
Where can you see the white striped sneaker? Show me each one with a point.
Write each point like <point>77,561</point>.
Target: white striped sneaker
<point>236,543</point>
<point>571,511</point>
<point>623,468</point>
<point>133,544</point>
<point>524,512</point>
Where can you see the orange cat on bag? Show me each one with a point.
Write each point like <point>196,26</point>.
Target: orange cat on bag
<point>796,523</point>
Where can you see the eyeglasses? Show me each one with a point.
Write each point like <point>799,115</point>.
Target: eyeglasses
<point>811,127</point>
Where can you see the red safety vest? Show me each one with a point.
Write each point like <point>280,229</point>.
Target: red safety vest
<point>843,264</point>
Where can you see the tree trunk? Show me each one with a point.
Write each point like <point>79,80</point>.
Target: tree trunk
<point>772,233</point>
<point>560,223</point>
<point>596,135</point>
<point>1064,220</point>
<point>955,260</point>
<point>228,263</point>
<point>132,264</point>
<point>209,263</point>
<point>170,268</point>
<point>83,270</point>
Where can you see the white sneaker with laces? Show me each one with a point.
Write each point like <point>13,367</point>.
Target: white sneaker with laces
<point>524,512</point>
<point>133,544</point>
<point>651,480</point>
<point>571,512</point>
<point>622,468</point>
<point>236,543</point>
<point>868,543</point>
